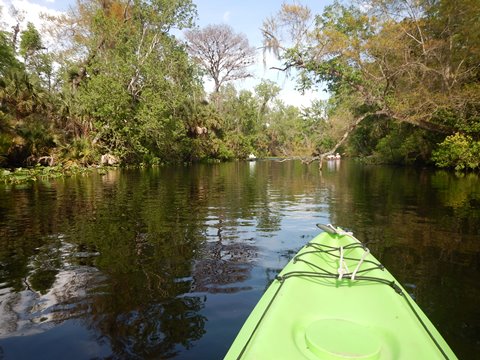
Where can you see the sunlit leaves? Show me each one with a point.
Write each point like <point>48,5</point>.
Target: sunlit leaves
<point>30,41</point>
<point>458,151</point>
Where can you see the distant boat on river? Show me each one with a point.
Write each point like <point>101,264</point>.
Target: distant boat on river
<point>337,156</point>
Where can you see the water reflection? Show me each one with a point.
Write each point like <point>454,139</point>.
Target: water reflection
<point>333,164</point>
<point>168,262</point>
<point>424,226</point>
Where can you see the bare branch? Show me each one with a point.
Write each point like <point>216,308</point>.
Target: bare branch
<point>223,54</point>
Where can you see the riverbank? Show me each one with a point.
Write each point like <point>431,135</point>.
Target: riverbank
<point>38,172</point>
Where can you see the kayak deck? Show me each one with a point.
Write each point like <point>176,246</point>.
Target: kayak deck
<point>334,300</point>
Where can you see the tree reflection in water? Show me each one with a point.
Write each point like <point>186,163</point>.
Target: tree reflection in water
<point>221,268</point>
<point>132,254</point>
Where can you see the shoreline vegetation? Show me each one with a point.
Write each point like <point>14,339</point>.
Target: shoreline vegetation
<point>39,173</point>
<point>117,81</point>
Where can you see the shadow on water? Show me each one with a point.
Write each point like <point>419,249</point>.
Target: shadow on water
<point>168,262</point>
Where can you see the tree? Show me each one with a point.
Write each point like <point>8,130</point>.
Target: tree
<point>26,127</point>
<point>266,91</point>
<point>122,63</point>
<point>223,54</point>
<point>37,61</point>
<point>30,41</point>
<point>7,56</point>
<point>408,61</point>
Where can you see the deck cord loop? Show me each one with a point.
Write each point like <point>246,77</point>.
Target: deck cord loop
<point>342,266</point>
<point>366,252</point>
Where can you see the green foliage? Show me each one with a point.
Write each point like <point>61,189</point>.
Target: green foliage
<point>365,138</point>
<point>137,81</point>
<point>79,151</point>
<point>394,149</point>
<point>5,142</point>
<point>458,151</point>
<point>262,125</point>
<point>125,86</point>
<point>266,91</point>
<point>8,62</point>
<point>390,142</point>
<point>37,137</point>
<point>30,41</point>
<point>412,63</point>
<point>23,175</point>
<point>25,118</point>
<point>466,117</point>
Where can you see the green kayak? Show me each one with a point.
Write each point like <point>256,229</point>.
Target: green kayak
<point>334,300</point>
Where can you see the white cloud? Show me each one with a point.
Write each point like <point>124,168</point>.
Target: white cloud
<point>226,16</point>
<point>28,12</point>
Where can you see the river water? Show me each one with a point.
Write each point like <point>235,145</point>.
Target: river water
<point>168,262</point>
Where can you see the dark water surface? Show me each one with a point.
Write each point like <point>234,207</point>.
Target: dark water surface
<point>168,262</point>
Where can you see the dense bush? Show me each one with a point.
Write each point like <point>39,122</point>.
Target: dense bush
<point>459,152</point>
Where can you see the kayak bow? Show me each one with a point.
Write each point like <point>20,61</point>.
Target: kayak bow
<point>335,301</point>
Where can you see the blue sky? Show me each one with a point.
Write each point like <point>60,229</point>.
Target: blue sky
<point>245,16</point>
